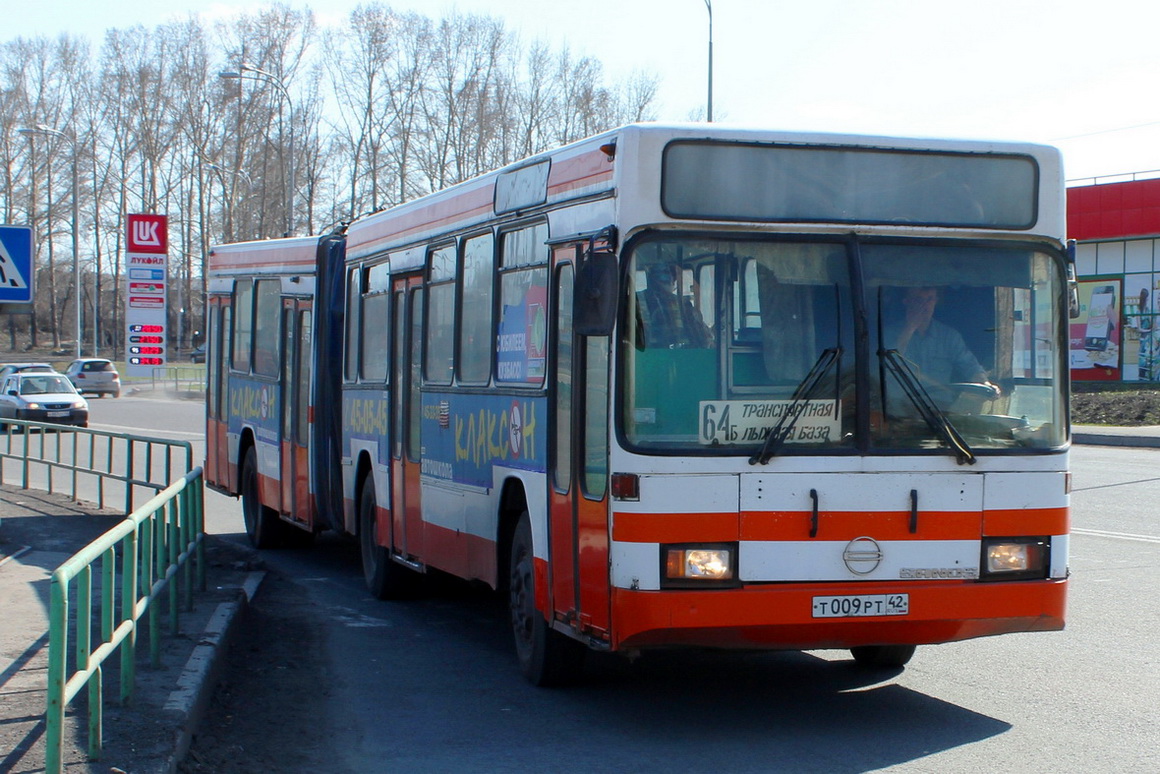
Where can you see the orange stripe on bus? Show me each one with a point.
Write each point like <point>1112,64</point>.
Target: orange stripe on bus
<point>845,525</point>
<point>1027,521</point>
<point>675,527</point>
<point>578,172</point>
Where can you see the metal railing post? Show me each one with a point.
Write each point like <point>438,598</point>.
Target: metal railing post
<point>57,646</point>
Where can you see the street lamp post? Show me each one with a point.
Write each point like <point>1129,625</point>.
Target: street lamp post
<point>245,72</point>
<point>709,108</point>
<point>76,258</point>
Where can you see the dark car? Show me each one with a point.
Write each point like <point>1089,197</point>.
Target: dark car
<point>197,355</point>
<point>42,397</point>
<point>16,368</point>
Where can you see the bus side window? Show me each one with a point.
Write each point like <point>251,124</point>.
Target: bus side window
<point>475,328</point>
<point>521,352</point>
<point>353,302</point>
<point>375,327</point>
<point>243,329</point>
<point>441,313</point>
<point>267,341</point>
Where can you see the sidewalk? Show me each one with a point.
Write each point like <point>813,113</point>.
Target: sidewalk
<point>38,532</point>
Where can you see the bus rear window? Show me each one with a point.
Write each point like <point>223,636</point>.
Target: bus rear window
<point>795,183</point>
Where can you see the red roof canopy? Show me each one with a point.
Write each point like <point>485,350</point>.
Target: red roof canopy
<point>1114,210</point>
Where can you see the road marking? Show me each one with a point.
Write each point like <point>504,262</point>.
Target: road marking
<point>1117,535</point>
<point>137,431</point>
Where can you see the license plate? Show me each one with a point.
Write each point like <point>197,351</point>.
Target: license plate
<point>861,605</point>
<point>57,414</point>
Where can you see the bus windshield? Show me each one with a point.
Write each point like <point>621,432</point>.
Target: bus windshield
<point>730,340</point>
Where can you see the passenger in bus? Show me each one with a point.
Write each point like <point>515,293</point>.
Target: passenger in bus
<point>934,350</point>
<point>670,320</point>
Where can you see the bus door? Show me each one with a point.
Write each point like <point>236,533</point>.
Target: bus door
<point>578,505</point>
<point>406,406</point>
<point>297,356</point>
<point>217,461</point>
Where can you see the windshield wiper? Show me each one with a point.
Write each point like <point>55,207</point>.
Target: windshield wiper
<point>898,367</point>
<point>806,389</point>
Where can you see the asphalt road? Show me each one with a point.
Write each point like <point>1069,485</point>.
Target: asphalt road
<point>331,677</point>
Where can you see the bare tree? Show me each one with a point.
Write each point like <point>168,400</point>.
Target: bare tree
<point>412,104</point>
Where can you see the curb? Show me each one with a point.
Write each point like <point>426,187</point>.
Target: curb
<point>189,701</point>
<point>1108,439</point>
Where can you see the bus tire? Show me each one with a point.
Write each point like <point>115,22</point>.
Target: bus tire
<point>385,578</point>
<point>546,656</point>
<point>882,656</point>
<point>263,526</point>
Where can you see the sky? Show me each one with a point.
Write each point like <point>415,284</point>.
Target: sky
<point>1077,74</point>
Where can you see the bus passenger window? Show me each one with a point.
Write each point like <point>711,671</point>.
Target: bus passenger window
<point>475,337</point>
<point>353,295</point>
<point>375,336</point>
<point>441,316</point>
<point>521,351</point>
<point>243,331</point>
<point>267,342</point>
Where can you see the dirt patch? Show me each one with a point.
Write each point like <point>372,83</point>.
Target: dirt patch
<point>1127,408</point>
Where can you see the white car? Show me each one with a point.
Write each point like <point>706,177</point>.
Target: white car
<point>42,397</point>
<point>94,375</point>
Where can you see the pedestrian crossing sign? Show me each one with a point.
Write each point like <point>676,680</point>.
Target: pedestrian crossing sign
<point>16,275</point>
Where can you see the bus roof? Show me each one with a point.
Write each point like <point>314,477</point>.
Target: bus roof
<point>588,169</point>
<point>294,255</point>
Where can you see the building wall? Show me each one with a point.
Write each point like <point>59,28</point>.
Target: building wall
<point>1117,229</point>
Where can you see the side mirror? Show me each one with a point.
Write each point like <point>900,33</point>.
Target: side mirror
<point>597,285</point>
<point>14,393</point>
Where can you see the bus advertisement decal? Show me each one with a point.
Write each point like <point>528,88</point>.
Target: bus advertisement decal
<point>481,432</point>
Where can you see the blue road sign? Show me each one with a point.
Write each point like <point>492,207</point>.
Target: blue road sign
<point>16,275</point>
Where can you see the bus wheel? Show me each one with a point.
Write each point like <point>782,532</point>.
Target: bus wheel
<point>262,524</point>
<point>546,657</point>
<point>386,578</point>
<point>882,656</point>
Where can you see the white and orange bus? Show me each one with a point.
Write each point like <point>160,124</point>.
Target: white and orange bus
<point>677,386</point>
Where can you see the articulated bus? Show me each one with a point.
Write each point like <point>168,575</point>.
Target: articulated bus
<point>676,386</point>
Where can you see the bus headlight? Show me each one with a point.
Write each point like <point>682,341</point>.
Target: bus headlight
<point>693,565</point>
<point>1014,558</point>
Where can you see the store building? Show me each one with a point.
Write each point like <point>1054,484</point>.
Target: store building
<point>1116,225</point>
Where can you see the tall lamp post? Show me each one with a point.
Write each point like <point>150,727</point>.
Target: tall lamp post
<point>245,72</point>
<point>709,108</point>
<point>76,258</point>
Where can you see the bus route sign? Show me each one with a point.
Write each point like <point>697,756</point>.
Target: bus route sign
<point>749,421</point>
<point>16,275</point>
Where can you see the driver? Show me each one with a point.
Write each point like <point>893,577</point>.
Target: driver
<point>935,350</point>
<point>670,320</point>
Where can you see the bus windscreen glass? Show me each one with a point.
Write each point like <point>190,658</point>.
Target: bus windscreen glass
<point>795,183</point>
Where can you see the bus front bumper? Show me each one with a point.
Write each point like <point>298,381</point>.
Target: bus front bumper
<point>780,617</point>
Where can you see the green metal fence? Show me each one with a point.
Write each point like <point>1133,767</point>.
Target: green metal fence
<point>179,378</point>
<point>61,459</point>
<point>157,547</point>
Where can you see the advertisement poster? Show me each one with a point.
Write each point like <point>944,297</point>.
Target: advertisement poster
<point>1141,339</point>
<point>1095,336</point>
